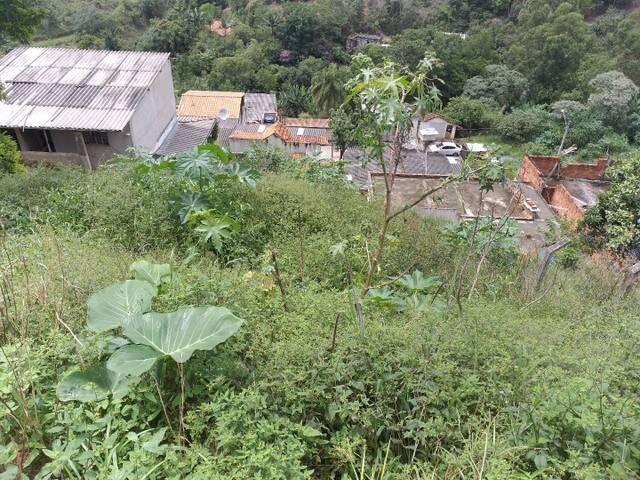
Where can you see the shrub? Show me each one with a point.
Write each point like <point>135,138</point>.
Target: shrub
<point>10,161</point>
<point>470,113</point>
<point>526,124</point>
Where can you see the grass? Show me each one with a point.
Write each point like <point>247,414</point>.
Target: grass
<point>511,149</point>
<point>518,384</point>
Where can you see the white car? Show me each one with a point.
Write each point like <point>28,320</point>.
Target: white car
<point>447,148</point>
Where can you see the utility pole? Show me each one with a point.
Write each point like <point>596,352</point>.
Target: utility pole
<point>567,125</point>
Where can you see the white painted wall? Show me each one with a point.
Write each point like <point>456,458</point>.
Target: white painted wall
<point>155,112</point>
<point>435,123</point>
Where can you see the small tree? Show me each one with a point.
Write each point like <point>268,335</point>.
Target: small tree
<point>385,98</point>
<point>470,113</point>
<point>342,128</point>
<point>10,161</point>
<point>615,220</point>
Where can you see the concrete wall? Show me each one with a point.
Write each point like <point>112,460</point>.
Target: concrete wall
<point>120,142</point>
<point>155,112</point>
<point>64,141</point>
<point>243,146</point>
<point>50,158</point>
<point>438,124</point>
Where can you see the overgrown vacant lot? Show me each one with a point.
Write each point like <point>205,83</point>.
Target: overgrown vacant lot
<point>508,383</point>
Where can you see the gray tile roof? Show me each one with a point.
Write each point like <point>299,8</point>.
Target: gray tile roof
<point>414,162</point>
<point>60,88</point>
<point>257,104</point>
<point>185,135</point>
<point>225,128</point>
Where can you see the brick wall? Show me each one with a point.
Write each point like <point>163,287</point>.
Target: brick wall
<point>589,171</point>
<point>530,173</point>
<point>563,203</point>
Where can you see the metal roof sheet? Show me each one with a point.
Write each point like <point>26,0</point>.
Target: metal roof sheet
<point>257,104</point>
<point>60,88</point>
<point>185,135</point>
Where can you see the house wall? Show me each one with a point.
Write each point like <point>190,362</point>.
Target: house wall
<point>65,141</point>
<point>437,123</point>
<point>155,112</point>
<point>563,203</point>
<point>120,142</point>
<point>53,158</point>
<point>529,173</point>
<point>588,171</point>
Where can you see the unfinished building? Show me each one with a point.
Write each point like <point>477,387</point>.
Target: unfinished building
<point>568,189</point>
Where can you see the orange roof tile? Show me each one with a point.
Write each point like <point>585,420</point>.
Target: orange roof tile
<point>240,134</point>
<point>197,103</point>
<point>283,133</point>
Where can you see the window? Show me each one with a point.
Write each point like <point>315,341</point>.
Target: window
<point>95,138</point>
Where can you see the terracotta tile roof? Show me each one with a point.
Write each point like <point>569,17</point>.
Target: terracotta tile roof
<point>208,104</point>
<point>306,122</point>
<point>252,132</point>
<point>287,134</point>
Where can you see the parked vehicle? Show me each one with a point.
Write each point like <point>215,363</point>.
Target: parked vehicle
<point>446,148</point>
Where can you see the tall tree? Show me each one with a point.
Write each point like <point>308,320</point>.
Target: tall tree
<point>498,86</point>
<point>327,88</point>
<point>19,19</point>
<point>383,96</point>
<point>612,96</point>
<point>293,100</point>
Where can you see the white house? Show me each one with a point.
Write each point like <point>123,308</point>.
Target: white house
<point>83,106</point>
<point>433,127</point>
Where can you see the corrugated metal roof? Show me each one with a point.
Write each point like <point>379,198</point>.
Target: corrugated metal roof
<point>185,135</point>
<point>209,104</point>
<point>257,104</point>
<point>60,88</point>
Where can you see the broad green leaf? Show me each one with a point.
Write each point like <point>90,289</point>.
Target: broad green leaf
<point>189,202</point>
<point>180,333</point>
<point>215,231</point>
<point>154,273</point>
<point>109,307</point>
<point>132,359</point>
<point>219,152</point>
<point>153,444</point>
<point>93,384</point>
<point>417,282</point>
<point>194,165</point>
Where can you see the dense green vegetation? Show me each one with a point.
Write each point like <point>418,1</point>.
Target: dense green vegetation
<point>513,382</point>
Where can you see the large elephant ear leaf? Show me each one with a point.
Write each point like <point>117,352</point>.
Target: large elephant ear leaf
<point>109,307</point>
<point>91,385</point>
<point>181,333</point>
<point>154,273</point>
<point>133,359</point>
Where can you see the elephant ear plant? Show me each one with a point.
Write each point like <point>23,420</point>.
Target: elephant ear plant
<point>151,337</point>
